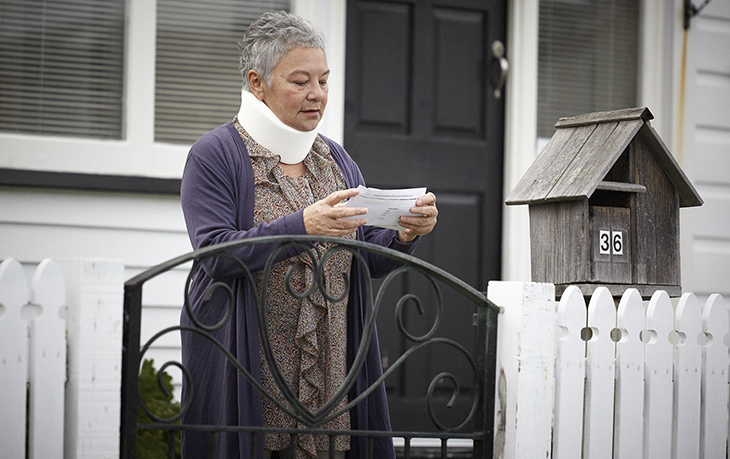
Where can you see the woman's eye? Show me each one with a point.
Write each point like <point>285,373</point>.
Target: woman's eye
<point>300,83</point>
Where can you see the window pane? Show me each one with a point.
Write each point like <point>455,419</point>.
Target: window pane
<point>588,58</point>
<point>61,67</point>
<point>198,85</point>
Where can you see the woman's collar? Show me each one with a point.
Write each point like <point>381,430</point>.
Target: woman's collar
<point>291,145</point>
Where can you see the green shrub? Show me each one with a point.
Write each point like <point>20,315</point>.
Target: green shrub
<point>153,444</point>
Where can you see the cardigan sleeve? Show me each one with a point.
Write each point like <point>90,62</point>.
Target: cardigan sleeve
<point>217,201</point>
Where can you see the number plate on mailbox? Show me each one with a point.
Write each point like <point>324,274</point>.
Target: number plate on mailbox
<point>610,251</point>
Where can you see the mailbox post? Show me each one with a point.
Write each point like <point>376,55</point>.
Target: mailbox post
<point>604,197</point>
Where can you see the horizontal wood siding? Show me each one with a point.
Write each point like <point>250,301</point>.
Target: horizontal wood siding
<point>141,230</point>
<point>708,152</point>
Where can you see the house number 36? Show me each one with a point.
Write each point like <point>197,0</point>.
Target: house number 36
<point>611,242</point>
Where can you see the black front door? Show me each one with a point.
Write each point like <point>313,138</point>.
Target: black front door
<point>420,110</point>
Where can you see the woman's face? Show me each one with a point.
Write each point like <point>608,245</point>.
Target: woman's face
<point>298,91</point>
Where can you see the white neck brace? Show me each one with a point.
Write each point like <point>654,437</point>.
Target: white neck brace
<point>291,145</point>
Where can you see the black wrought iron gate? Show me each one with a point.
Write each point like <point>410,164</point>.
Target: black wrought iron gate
<point>477,423</point>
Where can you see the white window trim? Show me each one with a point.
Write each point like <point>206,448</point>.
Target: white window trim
<point>520,137</point>
<point>330,17</point>
<point>138,154</point>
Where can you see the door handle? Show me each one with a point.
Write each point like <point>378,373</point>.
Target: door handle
<point>498,53</point>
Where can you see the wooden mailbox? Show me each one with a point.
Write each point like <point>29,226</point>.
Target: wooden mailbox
<point>604,197</point>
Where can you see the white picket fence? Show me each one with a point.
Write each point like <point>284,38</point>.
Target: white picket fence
<point>60,359</point>
<point>650,381</point>
<point>637,379</point>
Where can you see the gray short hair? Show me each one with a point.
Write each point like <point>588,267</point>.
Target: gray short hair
<point>270,37</point>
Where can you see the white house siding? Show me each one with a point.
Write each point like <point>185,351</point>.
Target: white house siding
<point>140,230</point>
<point>706,151</point>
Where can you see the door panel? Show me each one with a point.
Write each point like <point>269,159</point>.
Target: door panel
<point>460,76</point>
<point>392,23</point>
<point>420,111</point>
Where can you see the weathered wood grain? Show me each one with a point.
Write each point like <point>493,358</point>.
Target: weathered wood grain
<point>610,265</point>
<point>688,195</point>
<point>626,114</point>
<point>548,167</point>
<point>621,186</point>
<point>594,160</point>
<point>559,238</point>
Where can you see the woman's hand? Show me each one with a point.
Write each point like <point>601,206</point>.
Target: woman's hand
<point>325,217</point>
<point>419,226</point>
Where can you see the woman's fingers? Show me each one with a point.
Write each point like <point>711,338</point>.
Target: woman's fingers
<point>428,199</point>
<point>330,217</point>
<point>327,216</point>
<point>424,223</point>
<point>341,195</point>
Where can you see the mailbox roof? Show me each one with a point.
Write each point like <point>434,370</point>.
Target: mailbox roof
<point>583,150</point>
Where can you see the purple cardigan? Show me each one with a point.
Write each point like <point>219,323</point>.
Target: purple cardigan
<point>217,201</point>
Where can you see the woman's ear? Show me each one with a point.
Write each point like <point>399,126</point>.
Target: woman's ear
<point>256,83</point>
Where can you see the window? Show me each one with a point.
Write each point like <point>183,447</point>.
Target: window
<point>198,84</point>
<point>588,58</point>
<point>62,67</point>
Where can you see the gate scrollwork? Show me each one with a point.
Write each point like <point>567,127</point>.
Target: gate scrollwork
<point>411,301</point>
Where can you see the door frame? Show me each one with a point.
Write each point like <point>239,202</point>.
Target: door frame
<point>661,41</point>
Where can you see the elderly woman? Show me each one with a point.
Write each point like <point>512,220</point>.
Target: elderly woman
<point>268,172</point>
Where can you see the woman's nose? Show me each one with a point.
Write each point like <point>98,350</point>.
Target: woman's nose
<point>317,92</point>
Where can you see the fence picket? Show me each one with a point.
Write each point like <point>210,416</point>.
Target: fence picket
<point>47,363</point>
<point>628,418</point>
<point>570,375</point>
<point>600,352</point>
<point>686,419</point>
<point>658,376</point>
<point>714,394</point>
<point>13,358</point>
<point>656,392</point>
<point>597,391</point>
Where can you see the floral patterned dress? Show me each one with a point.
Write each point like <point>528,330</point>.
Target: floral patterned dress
<point>308,337</point>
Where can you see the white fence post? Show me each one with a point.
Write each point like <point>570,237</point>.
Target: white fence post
<point>13,358</point>
<point>687,367</point>
<point>525,368</point>
<point>95,306</point>
<point>714,395</point>
<point>47,363</point>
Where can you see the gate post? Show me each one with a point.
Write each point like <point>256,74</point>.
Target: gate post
<point>94,325</point>
<point>130,370</point>
<point>525,368</point>
<point>486,337</point>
